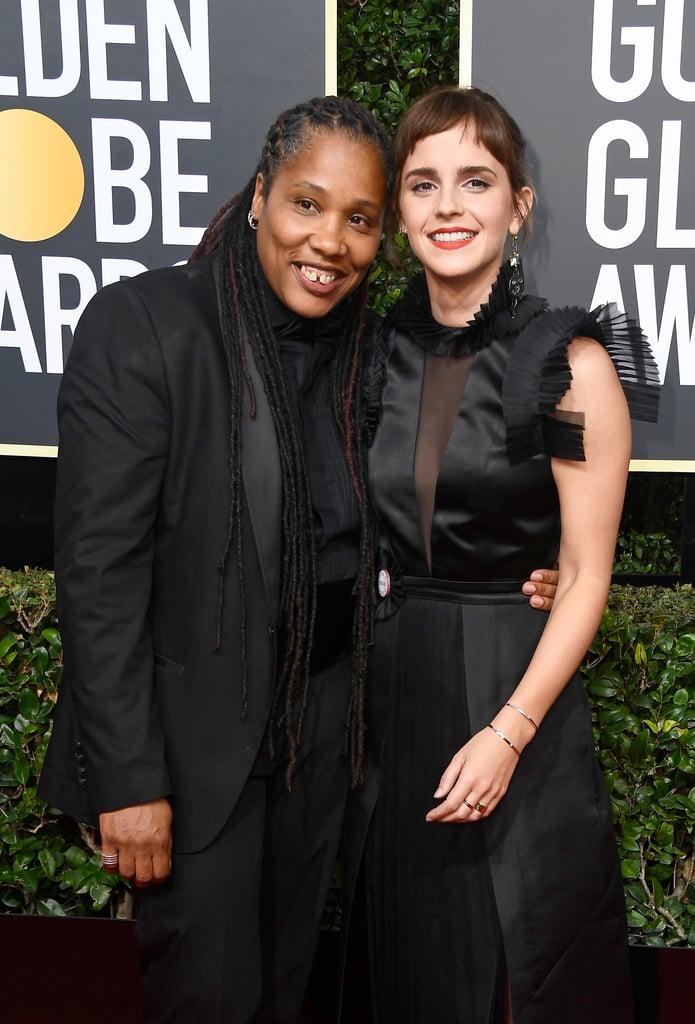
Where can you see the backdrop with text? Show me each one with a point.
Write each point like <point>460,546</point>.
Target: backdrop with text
<point>124,125</point>
<point>604,90</point>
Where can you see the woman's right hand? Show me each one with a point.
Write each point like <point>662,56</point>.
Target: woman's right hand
<point>141,837</point>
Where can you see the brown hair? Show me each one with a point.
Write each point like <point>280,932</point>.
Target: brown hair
<point>445,107</point>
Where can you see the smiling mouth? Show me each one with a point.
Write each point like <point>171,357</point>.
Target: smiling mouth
<point>452,236</point>
<point>315,275</point>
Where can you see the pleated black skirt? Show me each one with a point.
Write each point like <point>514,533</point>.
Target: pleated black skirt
<point>529,900</point>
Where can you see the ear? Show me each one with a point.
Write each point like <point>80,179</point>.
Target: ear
<point>258,201</point>
<point>523,201</point>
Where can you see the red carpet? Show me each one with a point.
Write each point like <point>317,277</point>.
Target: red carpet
<point>57,970</point>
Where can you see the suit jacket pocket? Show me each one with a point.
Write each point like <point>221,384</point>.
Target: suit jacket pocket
<point>161,661</point>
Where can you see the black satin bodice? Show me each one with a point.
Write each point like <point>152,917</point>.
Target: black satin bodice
<point>460,466</point>
<point>490,519</point>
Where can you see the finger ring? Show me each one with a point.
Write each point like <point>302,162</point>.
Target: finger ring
<point>468,805</point>
<point>109,859</point>
<point>481,808</point>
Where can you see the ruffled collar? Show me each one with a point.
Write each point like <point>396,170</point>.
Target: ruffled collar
<point>413,315</point>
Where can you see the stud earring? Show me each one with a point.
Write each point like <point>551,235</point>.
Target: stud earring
<point>515,286</point>
<point>402,230</point>
<point>253,222</point>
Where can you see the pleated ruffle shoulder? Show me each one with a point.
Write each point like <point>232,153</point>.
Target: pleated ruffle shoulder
<point>539,373</point>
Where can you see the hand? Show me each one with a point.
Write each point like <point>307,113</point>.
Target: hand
<point>141,837</point>
<point>477,775</point>
<point>541,587</point>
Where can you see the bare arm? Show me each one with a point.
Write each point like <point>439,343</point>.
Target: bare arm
<point>591,496</point>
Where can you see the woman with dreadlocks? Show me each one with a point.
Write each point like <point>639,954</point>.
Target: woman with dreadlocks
<point>210,526</point>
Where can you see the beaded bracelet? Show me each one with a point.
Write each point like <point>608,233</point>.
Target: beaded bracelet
<point>505,738</point>
<point>521,711</point>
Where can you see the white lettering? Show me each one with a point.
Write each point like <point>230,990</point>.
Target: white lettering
<point>668,236</point>
<point>641,39</point>
<point>674,317</point>
<point>634,189</point>
<point>163,19</point>
<point>36,82</point>
<point>174,183</point>
<point>21,336</point>
<point>115,270</point>
<point>107,178</point>
<point>55,315</point>
<point>9,85</point>
<point>608,288</point>
<point>99,35</point>
<point>672,53</point>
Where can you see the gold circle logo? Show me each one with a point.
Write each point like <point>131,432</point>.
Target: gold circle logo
<point>41,176</point>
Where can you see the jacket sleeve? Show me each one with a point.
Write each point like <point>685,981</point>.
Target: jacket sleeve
<point>113,419</point>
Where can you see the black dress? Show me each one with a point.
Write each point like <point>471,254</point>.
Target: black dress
<point>531,897</point>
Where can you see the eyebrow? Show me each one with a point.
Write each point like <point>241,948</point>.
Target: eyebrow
<point>431,172</point>
<point>313,187</point>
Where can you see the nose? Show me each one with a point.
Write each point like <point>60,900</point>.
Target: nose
<point>449,199</point>
<point>329,236</point>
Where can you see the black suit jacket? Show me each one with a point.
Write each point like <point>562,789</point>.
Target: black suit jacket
<point>146,707</point>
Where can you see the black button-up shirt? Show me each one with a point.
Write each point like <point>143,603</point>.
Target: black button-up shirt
<point>306,350</point>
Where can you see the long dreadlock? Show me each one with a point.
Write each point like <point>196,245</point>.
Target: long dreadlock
<point>244,317</point>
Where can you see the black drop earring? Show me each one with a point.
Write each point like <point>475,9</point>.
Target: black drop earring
<point>515,287</point>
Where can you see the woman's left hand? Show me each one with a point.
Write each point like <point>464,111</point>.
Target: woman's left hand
<point>475,780</point>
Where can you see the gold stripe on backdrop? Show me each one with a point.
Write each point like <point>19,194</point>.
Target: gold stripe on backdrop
<point>331,48</point>
<point>465,42</point>
<point>38,451</point>
<point>662,466</point>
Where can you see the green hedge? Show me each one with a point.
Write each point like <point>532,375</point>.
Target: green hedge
<point>389,54</point>
<point>640,675</point>
<point>48,863</point>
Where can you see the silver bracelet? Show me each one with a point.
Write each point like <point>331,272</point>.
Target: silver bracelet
<point>521,711</point>
<point>505,738</point>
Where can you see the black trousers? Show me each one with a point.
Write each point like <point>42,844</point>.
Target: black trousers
<point>231,937</point>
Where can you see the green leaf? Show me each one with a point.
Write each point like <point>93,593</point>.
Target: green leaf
<point>6,644</point>
<point>640,654</point>
<point>50,907</point>
<point>630,867</point>
<point>50,861</point>
<point>76,857</point>
<point>21,768</point>
<point>29,704</point>
<point>685,645</point>
<point>100,895</point>
<point>636,920</point>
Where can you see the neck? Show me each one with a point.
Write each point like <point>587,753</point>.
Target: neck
<point>456,300</point>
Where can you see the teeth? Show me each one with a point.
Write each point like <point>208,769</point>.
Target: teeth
<point>317,275</point>
<point>453,236</point>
